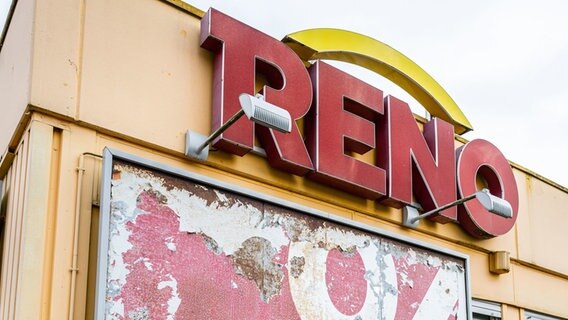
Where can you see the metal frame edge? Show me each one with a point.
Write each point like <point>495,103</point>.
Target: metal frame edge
<point>110,154</point>
<point>104,225</point>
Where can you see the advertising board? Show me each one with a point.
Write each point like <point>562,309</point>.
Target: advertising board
<point>177,245</point>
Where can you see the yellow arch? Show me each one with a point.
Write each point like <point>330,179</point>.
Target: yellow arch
<point>358,49</point>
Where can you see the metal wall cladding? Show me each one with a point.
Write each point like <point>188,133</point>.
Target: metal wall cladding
<point>179,249</point>
<point>13,198</point>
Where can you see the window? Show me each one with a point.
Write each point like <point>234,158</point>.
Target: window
<point>485,310</point>
<point>477,316</point>
<point>530,315</point>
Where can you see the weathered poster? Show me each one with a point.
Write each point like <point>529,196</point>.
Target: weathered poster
<point>180,249</point>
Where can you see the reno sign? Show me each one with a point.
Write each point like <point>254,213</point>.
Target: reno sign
<point>343,115</point>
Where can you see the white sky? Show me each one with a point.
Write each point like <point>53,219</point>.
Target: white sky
<point>4,7</point>
<point>505,63</point>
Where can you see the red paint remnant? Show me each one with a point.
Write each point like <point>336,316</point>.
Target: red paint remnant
<point>454,315</point>
<point>345,280</point>
<point>206,282</point>
<point>116,174</point>
<point>413,281</point>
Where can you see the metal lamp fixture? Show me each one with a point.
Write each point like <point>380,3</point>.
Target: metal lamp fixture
<point>411,217</point>
<point>256,109</point>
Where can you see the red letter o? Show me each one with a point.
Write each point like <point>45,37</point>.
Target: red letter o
<point>482,157</point>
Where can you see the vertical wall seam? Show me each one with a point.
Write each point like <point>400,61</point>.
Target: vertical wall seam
<point>7,238</point>
<point>51,228</point>
<point>80,49</point>
<point>17,196</point>
<point>22,175</point>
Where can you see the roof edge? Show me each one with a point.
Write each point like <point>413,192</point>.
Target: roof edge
<point>184,6</point>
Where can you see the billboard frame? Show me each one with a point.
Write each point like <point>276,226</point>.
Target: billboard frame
<point>111,154</point>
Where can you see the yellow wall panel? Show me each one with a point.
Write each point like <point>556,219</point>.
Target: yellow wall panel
<point>34,224</point>
<point>56,62</point>
<point>12,207</point>
<point>143,73</point>
<point>540,291</point>
<point>15,69</point>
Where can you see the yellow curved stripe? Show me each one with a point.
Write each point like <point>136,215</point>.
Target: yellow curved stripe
<point>355,48</point>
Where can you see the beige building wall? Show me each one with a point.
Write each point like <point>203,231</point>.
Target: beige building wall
<point>130,75</point>
<point>15,68</point>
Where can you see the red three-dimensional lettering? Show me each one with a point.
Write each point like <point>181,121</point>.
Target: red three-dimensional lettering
<point>241,52</point>
<point>349,116</point>
<point>480,157</point>
<point>418,162</point>
<point>343,119</point>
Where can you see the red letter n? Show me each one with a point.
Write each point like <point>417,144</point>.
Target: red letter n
<point>423,163</point>
<point>342,120</point>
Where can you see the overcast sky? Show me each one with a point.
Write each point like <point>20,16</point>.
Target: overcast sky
<point>505,63</point>
<point>4,7</point>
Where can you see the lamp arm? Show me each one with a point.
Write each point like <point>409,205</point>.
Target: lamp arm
<point>221,129</point>
<point>444,207</point>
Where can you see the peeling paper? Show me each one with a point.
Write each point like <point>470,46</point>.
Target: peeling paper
<point>179,250</point>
